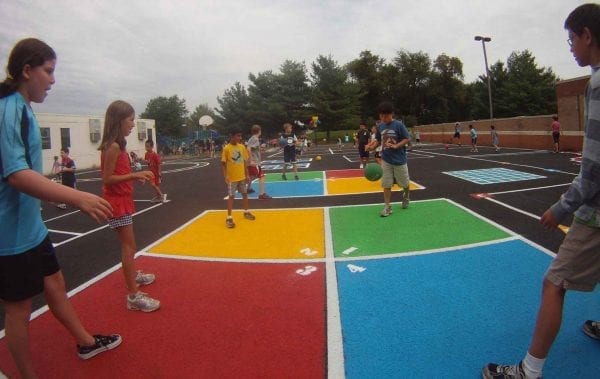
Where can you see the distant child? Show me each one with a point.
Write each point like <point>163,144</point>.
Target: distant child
<point>254,169</point>
<point>289,150</point>
<point>234,160</point>
<point>417,138</point>
<point>457,133</point>
<point>576,266</point>
<point>339,143</point>
<point>373,145</point>
<point>363,137</point>
<point>117,189</point>
<point>67,172</point>
<point>392,135</point>
<point>153,160</point>
<point>28,264</point>
<point>495,139</point>
<point>555,133</point>
<point>473,133</point>
<point>56,170</point>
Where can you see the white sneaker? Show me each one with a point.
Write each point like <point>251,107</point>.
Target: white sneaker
<point>361,166</point>
<point>142,302</point>
<point>144,279</point>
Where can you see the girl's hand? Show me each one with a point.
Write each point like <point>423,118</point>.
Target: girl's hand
<point>142,176</point>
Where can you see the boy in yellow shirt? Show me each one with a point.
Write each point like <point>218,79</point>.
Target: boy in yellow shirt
<point>235,171</point>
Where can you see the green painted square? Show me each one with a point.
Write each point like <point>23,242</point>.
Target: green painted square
<point>423,226</point>
<point>303,175</point>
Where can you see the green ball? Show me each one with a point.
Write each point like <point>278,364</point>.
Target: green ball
<point>373,172</point>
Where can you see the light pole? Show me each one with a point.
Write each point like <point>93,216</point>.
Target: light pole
<point>487,72</point>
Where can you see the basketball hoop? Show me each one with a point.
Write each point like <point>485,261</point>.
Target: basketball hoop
<point>205,121</point>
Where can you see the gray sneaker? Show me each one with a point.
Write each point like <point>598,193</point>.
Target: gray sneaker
<point>229,223</point>
<point>142,302</point>
<point>143,279</point>
<point>496,371</point>
<point>387,210</point>
<point>405,202</point>
<point>249,216</point>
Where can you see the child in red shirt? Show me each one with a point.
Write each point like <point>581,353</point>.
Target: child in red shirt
<point>153,160</point>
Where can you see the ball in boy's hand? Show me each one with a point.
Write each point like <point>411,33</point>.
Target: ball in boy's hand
<point>283,142</point>
<point>137,166</point>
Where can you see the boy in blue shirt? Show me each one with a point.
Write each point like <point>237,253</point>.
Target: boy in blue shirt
<point>393,137</point>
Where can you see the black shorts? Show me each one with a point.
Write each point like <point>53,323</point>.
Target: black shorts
<point>456,135</point>
<point>22,275</point>
<point>556,137</point>
<point>289,154</point>
<point>361,150</point>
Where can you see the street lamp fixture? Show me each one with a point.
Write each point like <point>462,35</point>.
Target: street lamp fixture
<point>487,72</point>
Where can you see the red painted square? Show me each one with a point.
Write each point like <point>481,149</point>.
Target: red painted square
<point>217,319</point>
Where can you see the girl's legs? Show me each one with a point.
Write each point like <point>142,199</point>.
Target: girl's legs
<point>128,249</point>
<point>16,325</point>
<point>62,309</point>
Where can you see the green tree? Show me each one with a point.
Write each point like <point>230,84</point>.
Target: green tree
<point>235,107</point>
<point>446,98</point>
<point>336,100</point>
<point>368,73</point>
<point>169,113</point>
<point>414,80</point>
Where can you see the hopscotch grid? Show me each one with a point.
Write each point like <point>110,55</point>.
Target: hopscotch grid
<point>329,259</point>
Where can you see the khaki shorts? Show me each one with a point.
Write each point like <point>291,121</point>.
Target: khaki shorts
<point>241,187</point>
<point>577,264</point>
<point>394,174</point>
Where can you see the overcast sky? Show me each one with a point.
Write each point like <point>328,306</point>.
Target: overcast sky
<point>196,49</point>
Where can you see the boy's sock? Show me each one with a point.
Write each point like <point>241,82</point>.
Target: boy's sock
<point>533,366</point>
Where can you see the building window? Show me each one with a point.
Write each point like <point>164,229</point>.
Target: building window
<point>65,137</point>
<point>46,142</point>
<point>94,130</point>
<point>141,127</point>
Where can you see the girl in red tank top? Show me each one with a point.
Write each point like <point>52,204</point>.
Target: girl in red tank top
<point>117,189</point>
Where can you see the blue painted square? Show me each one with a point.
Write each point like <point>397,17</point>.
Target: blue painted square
<point>492,175</point>
<point>447,314</point>
<point>290,188</point>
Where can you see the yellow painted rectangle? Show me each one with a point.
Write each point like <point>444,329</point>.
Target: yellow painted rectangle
<point>275,234</point>
<point>346,186</point>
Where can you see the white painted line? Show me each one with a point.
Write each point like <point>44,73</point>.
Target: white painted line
<point>335,343</point>
<point>531,189</point>
<point>61,216</point>
<point>349,250</point>
<point>64,232</point>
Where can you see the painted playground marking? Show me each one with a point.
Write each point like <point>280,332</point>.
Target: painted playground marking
<point>492,175</point>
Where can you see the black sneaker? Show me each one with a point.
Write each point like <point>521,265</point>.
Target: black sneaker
<point>250,190</point>
<point>103,343</point>
<point>592,329</point>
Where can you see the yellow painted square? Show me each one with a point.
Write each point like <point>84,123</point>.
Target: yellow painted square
<point>346,186</point>
<point>275,234</point>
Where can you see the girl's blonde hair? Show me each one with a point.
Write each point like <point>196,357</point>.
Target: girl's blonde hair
<point>116,112</point>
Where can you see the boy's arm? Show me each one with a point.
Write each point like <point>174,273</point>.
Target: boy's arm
<point>586,185</point>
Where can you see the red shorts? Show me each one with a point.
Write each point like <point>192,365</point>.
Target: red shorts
<point>255,172</point>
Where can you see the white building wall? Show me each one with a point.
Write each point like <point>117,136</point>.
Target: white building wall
<point>84,146</point>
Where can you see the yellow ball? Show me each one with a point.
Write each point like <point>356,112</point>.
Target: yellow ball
<point>318,158</point>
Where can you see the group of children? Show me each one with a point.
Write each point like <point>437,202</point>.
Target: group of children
<point>28,264</point>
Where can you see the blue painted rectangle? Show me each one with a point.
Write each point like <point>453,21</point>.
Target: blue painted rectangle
<point>290,188</point>
<point>447,314</point>
<point>492,175</point>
